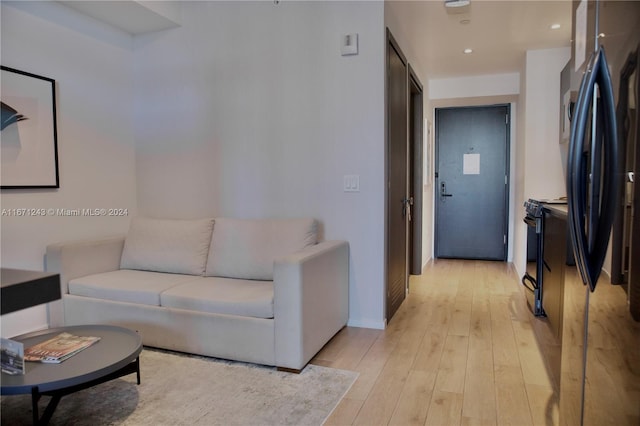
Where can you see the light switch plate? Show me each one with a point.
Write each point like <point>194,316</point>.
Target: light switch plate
<point>351,183</point>
<point>349,44</point>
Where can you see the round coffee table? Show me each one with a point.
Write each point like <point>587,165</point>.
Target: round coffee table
<point>115,355</point>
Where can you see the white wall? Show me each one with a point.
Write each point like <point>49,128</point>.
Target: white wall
<point>91,64</point>
<point>474,86</point>
<point>544,177</point>
<point>427,193</point>
<point>518,181</point>
<point>249,110</point>
<point>541,165</point>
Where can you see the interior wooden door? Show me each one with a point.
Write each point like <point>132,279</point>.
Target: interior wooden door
<point>633,255</point>
<point>397,168</point>
<point>416,153</point>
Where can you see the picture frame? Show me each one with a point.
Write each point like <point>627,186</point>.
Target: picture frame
<point>28,131</point>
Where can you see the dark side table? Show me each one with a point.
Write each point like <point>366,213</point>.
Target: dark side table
<point>23,289</point>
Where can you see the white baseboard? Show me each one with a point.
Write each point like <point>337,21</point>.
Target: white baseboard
<point>430,260</point>
<point>32,329</point>
<point>375,324</point>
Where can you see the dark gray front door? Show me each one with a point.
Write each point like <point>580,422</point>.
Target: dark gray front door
<point>472,181</point>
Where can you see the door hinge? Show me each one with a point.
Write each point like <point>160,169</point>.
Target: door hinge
<point>504,239</point>
<point>505,179</point>
<point>506,119</point>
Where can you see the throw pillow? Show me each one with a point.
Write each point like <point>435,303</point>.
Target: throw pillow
<point>247,248</point>
<point>167,245</point>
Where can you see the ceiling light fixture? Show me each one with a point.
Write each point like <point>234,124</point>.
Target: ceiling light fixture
<point>467,51</point>
<point>465,21</point>
<point>456,3</point>
<point>601,35</point>
<point>555,26</point>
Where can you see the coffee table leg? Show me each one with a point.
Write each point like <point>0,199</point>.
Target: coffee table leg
<point>137,361</point>
<point>133,367</point>
<point>35,397</point>
<point>48,412</point>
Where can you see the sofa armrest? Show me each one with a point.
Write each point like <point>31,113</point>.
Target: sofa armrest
<point>75,259</point>
<point>311,301</point>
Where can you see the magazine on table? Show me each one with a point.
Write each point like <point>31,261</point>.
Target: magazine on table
<point>59,348</point>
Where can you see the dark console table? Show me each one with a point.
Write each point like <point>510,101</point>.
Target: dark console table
<point>23,289</point>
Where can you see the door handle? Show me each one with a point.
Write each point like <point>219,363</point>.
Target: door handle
<point>406,207</point>
<point>443,190</point>
<point>591,209</point>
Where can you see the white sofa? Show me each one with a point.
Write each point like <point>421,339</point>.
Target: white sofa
<point>260,291</point>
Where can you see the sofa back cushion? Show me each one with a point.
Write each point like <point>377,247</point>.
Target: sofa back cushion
<point>167,245</point>
<point>247,248</point>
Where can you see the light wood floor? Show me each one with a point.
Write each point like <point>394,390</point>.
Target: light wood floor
<point>460,351</point>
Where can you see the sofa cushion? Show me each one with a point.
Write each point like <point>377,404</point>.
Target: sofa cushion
<point>125,285</point>
<point>247,248</point>
<point>167,245</point>
<point>249,298</point>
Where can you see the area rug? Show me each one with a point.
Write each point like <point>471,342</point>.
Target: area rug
<point>179,389</point>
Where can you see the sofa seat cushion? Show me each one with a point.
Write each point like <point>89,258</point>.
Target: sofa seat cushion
<point>142,287</point>
<point>222,296</point>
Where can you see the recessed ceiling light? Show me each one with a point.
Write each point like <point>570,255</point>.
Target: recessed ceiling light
<point>555,26</point>
<point>601,35</point>
<point>468,50</point>
<point>465,21</point>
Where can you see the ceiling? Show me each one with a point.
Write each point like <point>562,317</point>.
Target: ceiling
<point>133,17</point>
<point>499,32</point>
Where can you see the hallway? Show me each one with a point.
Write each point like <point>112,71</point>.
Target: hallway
<point>460,350</point>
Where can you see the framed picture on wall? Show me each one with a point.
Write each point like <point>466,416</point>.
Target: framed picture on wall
<point>28,134</point>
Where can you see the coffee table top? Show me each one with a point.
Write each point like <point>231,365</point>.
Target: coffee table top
<point>117,347</point>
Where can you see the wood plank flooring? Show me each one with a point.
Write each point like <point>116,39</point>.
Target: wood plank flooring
<point>461,350</point>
